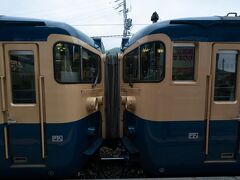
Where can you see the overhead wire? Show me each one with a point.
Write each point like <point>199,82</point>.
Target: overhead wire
<point>138,24</point>
<point>69,11</point>
<point>98,14</point>
<point>83,12</point>
<point>109,36</point>
<point>84,16</point>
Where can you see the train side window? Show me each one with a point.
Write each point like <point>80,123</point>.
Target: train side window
<point>183,68</point>
<point>67,62</point>
<point>152,61</point>
<point>225,76</point>
<point>22,77</point>
<point>90,66</point>
<point>130,64</point>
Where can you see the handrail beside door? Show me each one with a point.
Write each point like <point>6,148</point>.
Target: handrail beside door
<point>208,114</point>
<point>41,82</point>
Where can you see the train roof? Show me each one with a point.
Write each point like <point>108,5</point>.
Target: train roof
<point>199,29</point>
<point>27,29</point>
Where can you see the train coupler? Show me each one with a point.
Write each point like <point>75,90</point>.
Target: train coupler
<point>109,154</point>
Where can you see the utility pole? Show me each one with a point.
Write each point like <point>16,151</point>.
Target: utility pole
<point>127,22</point>
<point>125,18</point>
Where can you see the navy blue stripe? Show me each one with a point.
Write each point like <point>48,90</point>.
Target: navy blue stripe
<point>212,29</point>
<point>2,152</point>
<point>179,146</point>
<point>64,158</point>
<point>24,29</point>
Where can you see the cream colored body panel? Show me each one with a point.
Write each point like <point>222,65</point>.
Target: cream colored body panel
<point>65,102</point>
<point>169,100</point>
<point>55,103</point>
<point>22,113</point>
<point>181,100</point>
<point>225,110</point>
<point>62,103</point>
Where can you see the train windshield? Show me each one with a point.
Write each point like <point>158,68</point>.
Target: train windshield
<point>74,64</point>
<point>145,64</point>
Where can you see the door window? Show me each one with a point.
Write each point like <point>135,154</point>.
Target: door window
<point>22,77</point>
<point>226,74</point>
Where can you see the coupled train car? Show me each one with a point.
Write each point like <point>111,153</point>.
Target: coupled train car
<point>180,94</point>
<point>172,98</point>
<point>51,98</point>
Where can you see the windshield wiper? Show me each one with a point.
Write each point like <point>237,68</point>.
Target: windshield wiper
<point>96,80</point>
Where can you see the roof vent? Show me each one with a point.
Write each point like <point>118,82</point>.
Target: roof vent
<point>231,16</point>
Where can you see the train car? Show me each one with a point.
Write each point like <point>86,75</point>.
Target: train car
<point>180,96</point>
<point>51,98</point>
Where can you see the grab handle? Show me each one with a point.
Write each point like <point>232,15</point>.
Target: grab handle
<point>41,81</point>
<point>208,114</point>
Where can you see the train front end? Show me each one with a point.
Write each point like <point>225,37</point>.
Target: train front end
<point>51,98</point>
<point>180,103</point>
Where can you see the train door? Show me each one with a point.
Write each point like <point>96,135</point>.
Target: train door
<point>3,152</point>
<point>23,104</point>
<point>223,104</point>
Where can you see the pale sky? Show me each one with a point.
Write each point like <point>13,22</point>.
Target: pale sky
<point>86,15</point>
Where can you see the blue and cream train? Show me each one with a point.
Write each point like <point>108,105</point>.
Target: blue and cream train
<point>178,100</point>
<point>180,94</point>
<point>51,98</point>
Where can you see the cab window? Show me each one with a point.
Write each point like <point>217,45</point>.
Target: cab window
<point>90,66</point>
<point>145,63</point>
<point>67,62</point>
<point>74,64</point>
<point>152,61</point>
<point>131,66</point>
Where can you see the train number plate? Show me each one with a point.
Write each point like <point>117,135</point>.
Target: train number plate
<point>193,135</point>
<point>57,138</point>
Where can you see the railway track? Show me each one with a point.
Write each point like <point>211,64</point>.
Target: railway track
<point>115,164</point>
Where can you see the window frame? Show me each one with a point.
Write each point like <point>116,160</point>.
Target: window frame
<point>139,65</point>
<point>226,51</point>
<point>195,63</point>
<point>22,52</point>
<point>133,81</point>
<point>100,66</point>
<point>81,73</point>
